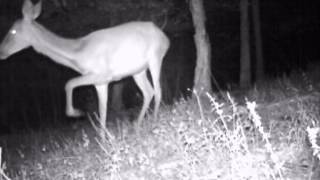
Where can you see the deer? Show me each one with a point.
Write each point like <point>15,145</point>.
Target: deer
<point>100,57</point>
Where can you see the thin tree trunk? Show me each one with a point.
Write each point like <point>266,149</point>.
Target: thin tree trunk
<point>116,99</point>
<point>245,61</point>
<point>258,40</point>
<point>203,66</point>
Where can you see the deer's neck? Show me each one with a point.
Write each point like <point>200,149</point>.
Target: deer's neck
<point>62,50</point>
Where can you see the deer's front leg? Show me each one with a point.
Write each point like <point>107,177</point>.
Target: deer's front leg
<point>102,92</point>
<point>70,110</point>
<point>84,80</point>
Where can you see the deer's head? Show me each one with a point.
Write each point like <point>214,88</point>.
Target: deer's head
<point>18,37</point>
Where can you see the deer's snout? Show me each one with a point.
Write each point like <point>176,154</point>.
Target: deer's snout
<point>3,55</point>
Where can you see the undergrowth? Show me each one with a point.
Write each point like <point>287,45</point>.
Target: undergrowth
<point>201,138</point>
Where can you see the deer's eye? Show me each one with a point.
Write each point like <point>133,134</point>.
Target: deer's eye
<point>13,31</point>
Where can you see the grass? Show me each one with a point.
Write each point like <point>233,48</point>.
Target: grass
<point>269,132</point>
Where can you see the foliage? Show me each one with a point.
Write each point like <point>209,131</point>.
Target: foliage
<point>192,139</point>
<point>116,11</point>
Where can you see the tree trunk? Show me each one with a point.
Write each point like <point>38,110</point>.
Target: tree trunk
<point>258,40</point>
<point>203,66</point>
<point>116,99</point>
<point>245,61</point>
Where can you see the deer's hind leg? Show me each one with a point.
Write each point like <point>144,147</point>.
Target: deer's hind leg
<point>155,70</point>
<point>147,91</point>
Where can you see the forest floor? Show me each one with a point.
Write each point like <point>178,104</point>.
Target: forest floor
<point>268,132</point>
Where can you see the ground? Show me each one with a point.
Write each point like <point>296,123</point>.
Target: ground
<point>256,134</point>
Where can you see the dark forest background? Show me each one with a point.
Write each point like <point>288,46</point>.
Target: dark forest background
<point>32,86</point>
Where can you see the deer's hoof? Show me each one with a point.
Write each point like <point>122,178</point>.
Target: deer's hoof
<point>74,113</point>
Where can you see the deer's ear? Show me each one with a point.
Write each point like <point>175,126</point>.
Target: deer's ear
<point>37,9</point>
<point>30,11</point>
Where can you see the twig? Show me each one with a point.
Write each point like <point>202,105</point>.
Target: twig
<point>1,170</point>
